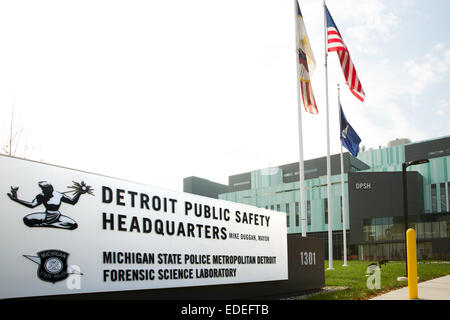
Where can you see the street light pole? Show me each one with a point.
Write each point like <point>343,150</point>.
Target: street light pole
<point>405,209</point>
<point>405,198</point>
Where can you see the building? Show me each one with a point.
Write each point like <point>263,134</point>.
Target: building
<point>203,187</point>
<point>373,197</point>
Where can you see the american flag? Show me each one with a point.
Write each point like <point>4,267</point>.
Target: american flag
<point>336,43</point>
<point>306,64</point>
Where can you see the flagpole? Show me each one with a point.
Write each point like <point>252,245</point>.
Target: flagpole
<point>344,218</point>
<point>330,207</point>
<point>300,133</point>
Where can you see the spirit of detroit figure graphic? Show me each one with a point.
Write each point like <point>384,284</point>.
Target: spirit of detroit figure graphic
<point>51,200</point>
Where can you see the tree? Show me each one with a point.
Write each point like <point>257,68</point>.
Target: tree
<point>15,142</point>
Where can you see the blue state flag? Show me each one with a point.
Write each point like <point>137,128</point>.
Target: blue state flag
<point>349,137</point>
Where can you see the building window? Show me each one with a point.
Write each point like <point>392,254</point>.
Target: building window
<point>435,153</point>
<point>240,183</point>
<point>271,207</point>
<point>379,232</point>
<point>443,195</point>
<point>444,230</point>
<point>308,211</point>
<point>420,230</point>
<point>435,229</point>
<point>448,193</point>
<point>448,229</point>
<point>428,230</point>
<point>433,198</point>
<point>366,233</point>
<point>371,232</point>
<point>278,207</point>
<point>325,206</point>
<point>297,214</point>
<point>287,215</point>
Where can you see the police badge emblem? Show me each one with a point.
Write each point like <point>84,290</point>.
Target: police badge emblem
<point>53,265</point>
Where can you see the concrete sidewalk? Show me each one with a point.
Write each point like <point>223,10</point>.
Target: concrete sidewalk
<point>436,289</point>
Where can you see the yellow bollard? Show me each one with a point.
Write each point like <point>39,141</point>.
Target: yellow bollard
<point>412,263</point>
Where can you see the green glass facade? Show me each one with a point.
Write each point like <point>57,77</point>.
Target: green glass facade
<point>381,235</point>
<point>268,191</point>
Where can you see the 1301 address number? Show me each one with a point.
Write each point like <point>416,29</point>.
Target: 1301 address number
<point>307,258</point>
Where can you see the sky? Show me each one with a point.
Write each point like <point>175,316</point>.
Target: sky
<point>155,91</point>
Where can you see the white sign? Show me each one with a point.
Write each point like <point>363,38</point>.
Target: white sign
<point>65,231</point>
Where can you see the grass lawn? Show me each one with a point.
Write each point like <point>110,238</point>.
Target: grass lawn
<point>354,277</point>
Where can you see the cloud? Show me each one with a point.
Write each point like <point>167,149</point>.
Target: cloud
<point>408,3</point>
<point>398,92</point>
<point>372,23</point>
<point>428,70</point>
<point>442,107</point>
